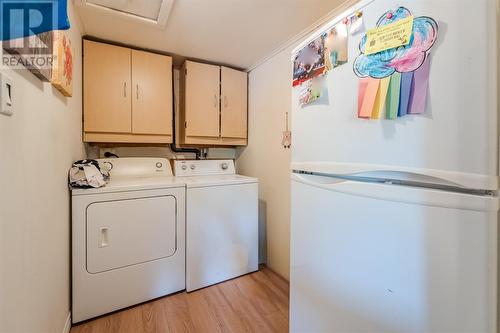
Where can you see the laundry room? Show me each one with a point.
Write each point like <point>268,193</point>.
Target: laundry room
<point>249,166</point>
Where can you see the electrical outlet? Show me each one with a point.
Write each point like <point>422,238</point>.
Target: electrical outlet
<point>107,150</point>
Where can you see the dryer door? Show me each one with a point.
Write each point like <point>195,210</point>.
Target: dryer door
<point>128,232</point>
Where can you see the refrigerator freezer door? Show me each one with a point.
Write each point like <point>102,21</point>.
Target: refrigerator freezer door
<point>458,132</point>
<point>379,258</point>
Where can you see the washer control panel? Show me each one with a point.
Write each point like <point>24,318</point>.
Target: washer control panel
<point>203,167</point>
<point>136,166</point>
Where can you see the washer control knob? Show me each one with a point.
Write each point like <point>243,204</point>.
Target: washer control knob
<point>224,166</point>
<point>184,167</point>
<point>159,165</point>
<point>193,166</point>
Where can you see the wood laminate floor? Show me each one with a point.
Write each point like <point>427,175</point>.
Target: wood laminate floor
<point>256,302</point>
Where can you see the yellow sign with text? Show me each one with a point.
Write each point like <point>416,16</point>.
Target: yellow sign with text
<point>389,36</point>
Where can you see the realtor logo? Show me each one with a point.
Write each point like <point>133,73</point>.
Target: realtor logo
<point>26,33</point>
<point>23,19</point>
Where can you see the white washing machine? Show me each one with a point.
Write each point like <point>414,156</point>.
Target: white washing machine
<point>128,238</point>
<point>221,222</point>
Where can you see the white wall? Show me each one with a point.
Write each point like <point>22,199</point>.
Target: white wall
<point>37,146</point>
<point>265,158</point>
<point>269,100</point>
<point>157,151</point>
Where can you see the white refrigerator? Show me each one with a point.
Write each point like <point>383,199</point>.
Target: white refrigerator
<point>394,222</point>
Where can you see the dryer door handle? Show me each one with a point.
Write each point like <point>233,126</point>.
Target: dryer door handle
<point>103,236</point>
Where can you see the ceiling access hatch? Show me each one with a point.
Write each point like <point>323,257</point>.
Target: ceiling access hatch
<point>155,12</point>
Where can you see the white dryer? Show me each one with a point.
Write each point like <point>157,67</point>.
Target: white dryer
<point>128,238</point>
<point>221,222</point>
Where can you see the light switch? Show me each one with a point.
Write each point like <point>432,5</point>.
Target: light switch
<point>6,95</point>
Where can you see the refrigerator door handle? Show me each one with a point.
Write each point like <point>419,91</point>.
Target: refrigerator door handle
<point>418,175</point>
<point>404,194</point>
<point>402,178</point>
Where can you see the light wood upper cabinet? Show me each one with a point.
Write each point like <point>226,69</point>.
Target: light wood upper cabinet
<point>202,98</point>
<point>151,93</point>
<point>107,88</point>
<point>127,95</point>
<point>234,103</point>
<point>213,108</point>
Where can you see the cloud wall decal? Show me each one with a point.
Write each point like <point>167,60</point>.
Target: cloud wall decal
<point>404,58</point>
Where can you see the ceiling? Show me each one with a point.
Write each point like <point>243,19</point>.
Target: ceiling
<point>238,33</point>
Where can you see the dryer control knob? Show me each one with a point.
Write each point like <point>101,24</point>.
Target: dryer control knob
<point>193,166</point>
<point>184,167</point>
<point>224,166</point>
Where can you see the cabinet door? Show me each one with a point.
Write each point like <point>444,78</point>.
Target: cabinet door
<point>151,93</point>
<point>107,88</point>
<point>202,95</point>
<point>234,103</point>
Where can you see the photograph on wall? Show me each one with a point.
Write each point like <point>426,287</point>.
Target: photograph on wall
<point>62,66</point>
<point>336,44</point>
<point>309,62</point>
<point>357,24</point>
<point>314,92</point>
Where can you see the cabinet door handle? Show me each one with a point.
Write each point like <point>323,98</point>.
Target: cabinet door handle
<point>124,89</point>
<point>137,91</point>
<point>216,100</point>
<point>225,101</point>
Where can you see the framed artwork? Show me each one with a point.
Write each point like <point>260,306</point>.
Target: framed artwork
<point>33,52</point>
<point>62,64</point>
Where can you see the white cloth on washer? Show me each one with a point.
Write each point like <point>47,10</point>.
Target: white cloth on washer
<point>86,175</point>
<point>94,176</point>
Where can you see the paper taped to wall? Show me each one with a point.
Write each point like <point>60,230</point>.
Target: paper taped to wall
<point>406,92</point>
<point>420,87</point>
<point>393,94</point>
<point>381,97</point>
<point>389,36</point>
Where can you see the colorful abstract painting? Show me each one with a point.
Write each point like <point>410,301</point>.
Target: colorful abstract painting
<point>62,66</point>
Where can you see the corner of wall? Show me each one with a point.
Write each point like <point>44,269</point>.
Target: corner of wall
<point>67,324</point>
<point>38,143</point>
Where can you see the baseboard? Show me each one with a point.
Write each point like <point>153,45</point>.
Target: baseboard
<point>67,325</point>
<point>276,273</point>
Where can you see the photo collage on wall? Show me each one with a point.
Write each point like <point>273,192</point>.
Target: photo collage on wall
<point>310,65</point>
<point>393,64</point>
<point>325,53</point>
